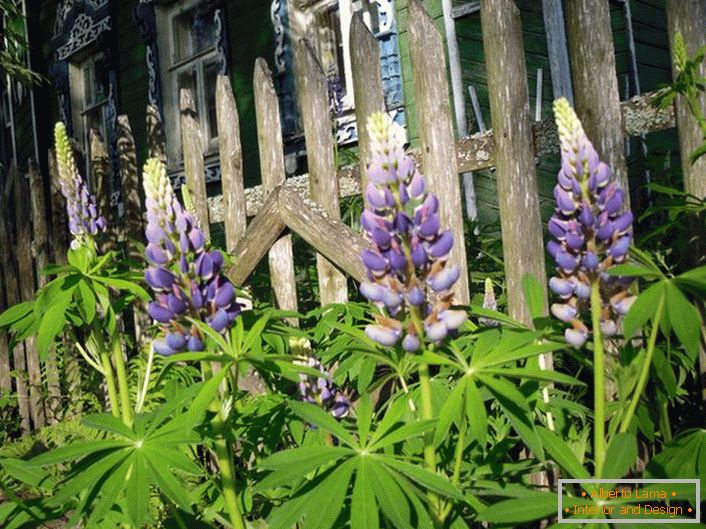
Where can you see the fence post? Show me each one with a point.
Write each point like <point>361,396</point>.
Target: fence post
<point>595,81</point>
<point>269,139</point>
<point>323,181</point>
<point>25,276</point>
<point>367,86</point>
<point>231,155</point>
<point>130,186</point>
<point>192,146</point>
<point>155,134</point>
<point>6,265</point>
<point>438,144</point>
<point>518,198</point>
<point>100,185</point>
<point>688,17</point>
<point>40,248</point>
<point>12,292</point>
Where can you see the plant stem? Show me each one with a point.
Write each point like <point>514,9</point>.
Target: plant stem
<point>429,450</point>
<point>599,443</point>
<point>145,383</point>
<point>227,468</point>
<point>122,381</point>
<point>645,371</point>
<point>110,382</point>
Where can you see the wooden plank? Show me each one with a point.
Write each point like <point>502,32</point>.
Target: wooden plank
<point>100,187</point>
<point>25,276</point>
<point>436,132</point>
<point>130,185</point>
<point>312,93</point>
<point>257,240</point>
<point>367,85</point>
<point>521,225</point>
<point>329,236</point>
<point>155,134</point>
<point>192,147</point>
<point>5,257</point>
<point>553,14</point>
<point>270,143</point>
<point>40,248</point>
<point>596,94</point>
<point>231,156</point>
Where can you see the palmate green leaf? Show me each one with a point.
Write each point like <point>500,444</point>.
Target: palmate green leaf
<point>497,316</point>
<point>515,406</point>
<point>255,333</point>
<point>520,510</point>
<point>207,330</point>
<point>75,451</point>
<point>19,470</point>
<point>108,491</point>
<point>500,345</point>
<point>166,482</point>
<point>53,321</point>
<point>561,453</point>
<point>364,418</point>
<point>107,422</point>
<point>476,412</point>
<point>137,489</point>
<point>88,301</point>
<point>451,412</point>
<point>364,508</point>
<point>86,476</point>
<point>632,270</point>
<point>643,309</point>
<point>535,296</point>
<point>392,501</point>
<point>620,455</point>
<point>536,374</point>
<point>685,319</point>
<point>315,415</point>
<point>428,480</point>
<point>172,457</point>
<point>291,465</point>
<point>124,285</point>
<point>404,432</point>
<point>326,501</point>
<point>528,351</point>
<point>285,516</point>
<point>693,280</point>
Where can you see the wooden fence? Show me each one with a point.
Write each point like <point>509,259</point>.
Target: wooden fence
<point>309,205</point>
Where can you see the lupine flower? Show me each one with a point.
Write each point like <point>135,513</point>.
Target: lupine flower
<point>184,275</point>
<point>321,390</point>
<point>407,258</point>
<point>84,220</point>
<point>592,232</point>
<point>489,303</point>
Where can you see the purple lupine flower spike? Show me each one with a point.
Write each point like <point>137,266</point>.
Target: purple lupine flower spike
<point>84,221</point>
<point>321,390</point>
<point>592,232</point>
<point>407,258</point>
<point>185,276</point>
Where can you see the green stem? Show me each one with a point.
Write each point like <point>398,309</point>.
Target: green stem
<point>110,382</point>
<point>122,381</point>
<point>599,444</point>
<point>645,371</point>
<point>460,446</point>
<point>429,450</point>
<point>227,470</point>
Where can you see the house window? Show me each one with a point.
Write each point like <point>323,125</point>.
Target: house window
<point>90,87</point>
<point>193,62</point>
<point>332,20</point>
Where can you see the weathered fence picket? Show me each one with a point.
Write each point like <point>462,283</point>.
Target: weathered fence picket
<point>40,249</point>
<point>5,264</point>
<point>231,156</point>
<point>518,199</point>
<point>271,146</point>
<point>367,86</point>
<point>435,122</point>
<point>25,275</point>
<point>130,188</point>
<point>314,104</point>
<point>596,94</point>
<point>156,140</point>
<point>100,182</point>
<point>192,147</point>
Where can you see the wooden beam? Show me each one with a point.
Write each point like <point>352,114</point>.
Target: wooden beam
<point>329,236</point>
<point>435,123</point>
<point>131,188</point>
<point>257,240</point>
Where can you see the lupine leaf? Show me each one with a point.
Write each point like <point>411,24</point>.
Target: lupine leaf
<point>291,465</point>
<point>685,320</point>
<point>315,415</point>
<point>476,412</point>
<point>643,309</point>
<point>109,491</point>
<point>428,480</point>
<point>107,422</point>
<point>450,412</point>
<point>535,296</point>
<point>390,497</point>
<point>325,502</point>
<point>403,433</point>
<point>74,451</point>
<point>520,510</point>
<point>138,490</point>
<point>364,508</point>
<point>167,483</point>
<point>621,455</point>
<point>560,452</point>
<point>364,418</point>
